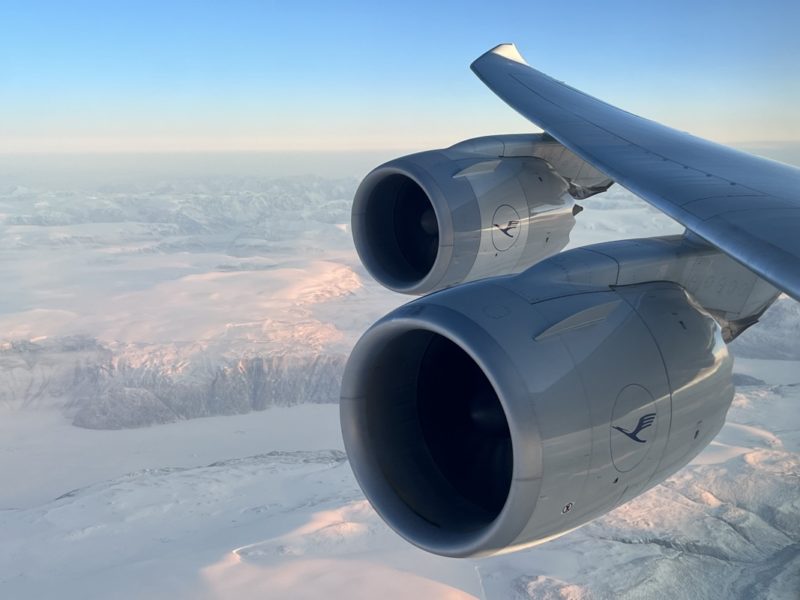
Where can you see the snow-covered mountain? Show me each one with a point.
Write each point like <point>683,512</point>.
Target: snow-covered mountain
<point>776,336</point>
<point>127,306</point>
<point>289,521</point>
<point>186,300</point>
<point>136,306</point>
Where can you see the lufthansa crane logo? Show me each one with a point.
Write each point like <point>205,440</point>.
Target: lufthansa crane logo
<point>633,424</point>
<point>505,227</point>
<point>645,422</point>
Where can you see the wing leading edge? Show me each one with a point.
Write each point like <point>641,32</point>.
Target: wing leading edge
<point>747,206</point>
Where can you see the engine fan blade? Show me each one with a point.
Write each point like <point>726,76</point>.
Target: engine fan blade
<point>416,229</point>
<point>464,425</point>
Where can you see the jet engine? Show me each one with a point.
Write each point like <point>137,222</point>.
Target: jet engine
<point>483,207</point>
<point>551,386</point>
<point>477,420</point>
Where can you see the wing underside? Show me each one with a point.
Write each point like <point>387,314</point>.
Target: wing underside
<point>747,206</point>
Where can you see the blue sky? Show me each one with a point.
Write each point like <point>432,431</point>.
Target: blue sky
<point>209,76</point>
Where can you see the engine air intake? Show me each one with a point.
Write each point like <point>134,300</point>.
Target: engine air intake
<point>401,230</point>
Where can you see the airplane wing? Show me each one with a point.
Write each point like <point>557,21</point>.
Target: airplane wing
<point>747,206</point>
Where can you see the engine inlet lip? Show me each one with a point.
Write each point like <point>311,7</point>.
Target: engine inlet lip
<point>361,201</point>
<point>489,356</point>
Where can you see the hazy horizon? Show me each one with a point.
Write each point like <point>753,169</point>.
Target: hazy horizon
<point>90,170</point>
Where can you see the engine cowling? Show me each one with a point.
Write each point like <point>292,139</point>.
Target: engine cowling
<point>484,207</point>
<point>477,420</point>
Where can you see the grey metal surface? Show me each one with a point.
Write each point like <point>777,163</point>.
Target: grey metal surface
<point>493,215</point>
<point>584,179</point>
<point>506,411</point>
<point>730,292</point>
<point>745,205</point>
<point>575,360</point>
<point>501,204</point>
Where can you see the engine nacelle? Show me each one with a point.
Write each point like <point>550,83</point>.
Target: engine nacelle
<point>478,420</point>
<point>484,207</point>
